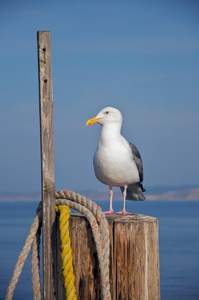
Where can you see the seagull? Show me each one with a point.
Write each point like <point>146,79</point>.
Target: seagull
<point>116,161</point>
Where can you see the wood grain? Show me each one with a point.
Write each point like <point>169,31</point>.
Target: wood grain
<point>134,258</point>
<point>47,164</point>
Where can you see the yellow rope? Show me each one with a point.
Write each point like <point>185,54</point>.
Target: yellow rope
<point>69,280</point>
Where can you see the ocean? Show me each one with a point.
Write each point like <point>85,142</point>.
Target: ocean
<point>178,244</point>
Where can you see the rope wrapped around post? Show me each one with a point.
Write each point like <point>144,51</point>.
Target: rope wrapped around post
<point>100,232</point>
<point>99,226</point>
<point>30,240</point>
<point>69,279</point>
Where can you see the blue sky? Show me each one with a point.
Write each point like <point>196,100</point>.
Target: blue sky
<point>139,56</point>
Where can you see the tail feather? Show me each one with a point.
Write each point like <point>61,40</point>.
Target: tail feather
<point>135,192</point>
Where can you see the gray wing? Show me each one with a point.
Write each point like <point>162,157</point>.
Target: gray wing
<point>138,160</point>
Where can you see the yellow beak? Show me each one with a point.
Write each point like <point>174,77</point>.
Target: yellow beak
<point>92,121</point>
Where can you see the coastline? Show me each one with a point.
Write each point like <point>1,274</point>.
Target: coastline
<point>187,194</point>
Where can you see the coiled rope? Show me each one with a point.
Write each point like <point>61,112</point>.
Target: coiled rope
<point>100,232</point>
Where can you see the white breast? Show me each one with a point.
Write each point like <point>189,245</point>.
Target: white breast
<point>114,164</point>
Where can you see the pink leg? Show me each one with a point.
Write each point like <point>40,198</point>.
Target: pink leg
<point>124,212</point>
<point>111,211</point>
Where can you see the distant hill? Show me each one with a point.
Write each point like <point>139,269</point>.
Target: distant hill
<point>20,197</point>
<point>184,194</point>
<point>152,193</point>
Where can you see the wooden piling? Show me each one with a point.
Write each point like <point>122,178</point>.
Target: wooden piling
<point>134,258</point>
<point>47,165</point>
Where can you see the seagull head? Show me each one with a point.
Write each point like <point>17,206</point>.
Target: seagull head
<point>107,115</point>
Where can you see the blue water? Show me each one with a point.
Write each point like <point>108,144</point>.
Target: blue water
<point>178,239</point>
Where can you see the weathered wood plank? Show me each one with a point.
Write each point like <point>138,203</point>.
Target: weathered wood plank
<point>84,252</point>
<point>134,259</point>
<point>47,163</point>
<point>137,258</point>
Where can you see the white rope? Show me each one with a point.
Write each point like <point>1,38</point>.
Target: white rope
<point>24,253</point>
<point>99,226</point>
<point>100,232</point>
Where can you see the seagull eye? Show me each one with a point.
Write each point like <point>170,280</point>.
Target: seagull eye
<point>107,112</point>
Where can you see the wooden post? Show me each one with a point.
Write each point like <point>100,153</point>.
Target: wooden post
<point>134,258</point>
<point>47,163</point>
